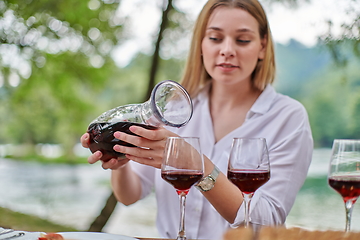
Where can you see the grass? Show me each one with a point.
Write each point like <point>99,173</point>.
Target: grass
<point>45,160</point>
<point>24,222</point>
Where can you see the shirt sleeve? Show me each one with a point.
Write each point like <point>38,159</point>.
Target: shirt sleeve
<point>146,174</point>
<point>290,149</point>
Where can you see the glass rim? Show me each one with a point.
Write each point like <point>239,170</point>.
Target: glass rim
<point>248,138</point>
<point>251,138</point>
<point>183,138</point>
<point>156,111</point>
<point>346,140</point>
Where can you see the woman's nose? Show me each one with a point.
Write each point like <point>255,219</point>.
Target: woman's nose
<point>227,48</point>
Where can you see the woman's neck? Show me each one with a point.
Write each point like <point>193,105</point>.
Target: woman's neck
<point>229,105</point>
<point>232,96</point>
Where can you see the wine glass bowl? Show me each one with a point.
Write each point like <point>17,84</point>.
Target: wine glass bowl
<point>182,167</point>
<point>248,168</point>
<point>182,180</point>
<point>344,173</point>
<point>248,181</point>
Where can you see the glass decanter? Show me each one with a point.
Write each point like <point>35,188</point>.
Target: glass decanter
<point>169,104</point>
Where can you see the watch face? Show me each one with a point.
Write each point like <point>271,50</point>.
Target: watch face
<point>207,183</point>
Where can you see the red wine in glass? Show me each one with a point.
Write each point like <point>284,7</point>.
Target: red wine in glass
<point>248,181</point>
<point>248,168</point>
<point>182,180</point>
<point>344,173</point>
<point>102,137</point>
<point>182,167</point>
<point>347,186</point>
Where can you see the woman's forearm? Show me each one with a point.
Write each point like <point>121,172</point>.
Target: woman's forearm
<point>224,196</point>
<point>126,185</point>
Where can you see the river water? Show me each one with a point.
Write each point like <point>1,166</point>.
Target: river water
<point>74,195</point>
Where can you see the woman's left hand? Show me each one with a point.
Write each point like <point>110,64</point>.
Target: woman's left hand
<point>151,144</point>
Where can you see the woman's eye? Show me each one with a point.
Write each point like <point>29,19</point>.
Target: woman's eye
<point>243,41</point>
<point>214,39</point>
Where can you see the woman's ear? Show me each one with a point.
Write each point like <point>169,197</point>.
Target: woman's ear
<point>262,52</point>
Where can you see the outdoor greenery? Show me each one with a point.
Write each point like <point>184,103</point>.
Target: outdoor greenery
<point>24,222</point>
<point>57,72</point>
<point>329,92</point>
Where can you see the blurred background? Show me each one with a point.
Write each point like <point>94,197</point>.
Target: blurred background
<point>63,63</point>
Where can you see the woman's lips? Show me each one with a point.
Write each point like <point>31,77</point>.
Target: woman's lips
<point>226,66</point>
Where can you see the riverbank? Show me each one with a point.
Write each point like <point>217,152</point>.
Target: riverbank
<point>46,160</point>
<point>25,222</point>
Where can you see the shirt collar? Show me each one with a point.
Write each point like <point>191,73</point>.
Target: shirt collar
<point>203,93</point>
<point>261,105</point>
<point>264,101</point>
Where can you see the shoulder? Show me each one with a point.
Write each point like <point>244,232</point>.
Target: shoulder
<point>288,105</point>
<point>291,117</point>
<point>273,103</point>
<point>287,119</point>
<point>283,110</point>
<point>280,102</point>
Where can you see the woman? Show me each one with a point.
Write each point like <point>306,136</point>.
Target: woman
<point>228,74</point>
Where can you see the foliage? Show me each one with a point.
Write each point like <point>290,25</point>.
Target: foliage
<point>329,92</point>
<point>65,50</point>
<point>296,64</point>
<point>57,73</point>
<point>332,101</point>
<point>349,37</point>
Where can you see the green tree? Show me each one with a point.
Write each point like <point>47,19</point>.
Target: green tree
<point>55,59</point>
<point>327,121</point>
<point>354,124</point>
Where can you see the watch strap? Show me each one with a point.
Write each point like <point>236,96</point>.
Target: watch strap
<point>215,172</point>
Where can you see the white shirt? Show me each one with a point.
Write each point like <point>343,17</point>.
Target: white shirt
<point>280,119</point>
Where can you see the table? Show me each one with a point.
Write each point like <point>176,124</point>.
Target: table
<point>282,233</point>
<point>265,233</point>
<point>10,234</point>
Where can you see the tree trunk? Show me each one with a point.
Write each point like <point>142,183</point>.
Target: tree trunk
<point>98,224</point>
<point>156,57</point>
<point>110,205</point>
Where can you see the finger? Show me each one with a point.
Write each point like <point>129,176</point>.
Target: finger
<point>95,157</point>
<point>135,151</point>
<point>115,163</point>
<point>109,164</point>
<point>85,140</point>
<point>134,140</point>
<point>140,153</point>
<point>146,161</point>
<point>154,135</point>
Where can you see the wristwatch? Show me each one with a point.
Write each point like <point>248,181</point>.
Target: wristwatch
<point>208,182</point>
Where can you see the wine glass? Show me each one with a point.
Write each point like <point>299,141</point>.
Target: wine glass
<point>182,167</point>
<point>248,168</point>
<point>344,173</point>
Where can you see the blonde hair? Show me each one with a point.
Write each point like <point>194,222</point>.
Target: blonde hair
<point>195,75</point>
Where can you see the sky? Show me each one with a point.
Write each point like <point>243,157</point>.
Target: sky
<point>304,23</point>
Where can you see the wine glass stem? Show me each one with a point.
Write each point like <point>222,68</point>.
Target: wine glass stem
<point>247,200</point>
<point>181,234</point>
<point>348,208</point>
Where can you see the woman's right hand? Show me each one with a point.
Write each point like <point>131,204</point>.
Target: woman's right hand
<point>114,163</point>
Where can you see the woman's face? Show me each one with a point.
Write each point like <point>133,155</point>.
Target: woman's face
<point>232,46</point>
